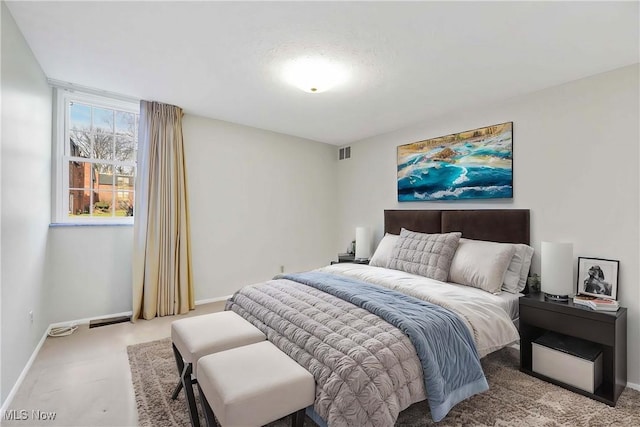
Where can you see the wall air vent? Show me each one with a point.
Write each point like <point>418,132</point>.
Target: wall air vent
<point>344,153</point>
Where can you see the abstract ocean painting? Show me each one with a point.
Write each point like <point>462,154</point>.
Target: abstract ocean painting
<point>476,164</point>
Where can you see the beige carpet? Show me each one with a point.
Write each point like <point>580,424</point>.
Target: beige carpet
<point>514,398</point>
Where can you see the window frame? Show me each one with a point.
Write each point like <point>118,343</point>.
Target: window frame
<point>62,157</point>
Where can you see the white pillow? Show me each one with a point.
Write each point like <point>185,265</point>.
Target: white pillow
<point>515,279</point>
<point>383,252</point>
<point>481,264</point>
<point>512,277</point>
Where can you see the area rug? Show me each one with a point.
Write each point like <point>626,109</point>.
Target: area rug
<point>514,398</point>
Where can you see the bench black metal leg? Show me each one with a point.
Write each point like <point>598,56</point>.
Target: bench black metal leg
<point>191,399</point>
<point>180,363</point>
<point>185,370</point>
<point>176,391</point>
<point>208,412</point>
<point>297,418</point>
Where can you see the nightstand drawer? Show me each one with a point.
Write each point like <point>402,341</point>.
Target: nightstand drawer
<point>580,327</point>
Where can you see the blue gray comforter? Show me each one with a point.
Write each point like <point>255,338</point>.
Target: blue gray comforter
<point>450,362</point>
<point>371,356</point>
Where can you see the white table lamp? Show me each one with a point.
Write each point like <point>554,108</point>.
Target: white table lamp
<point>363,243</point>
<point>557,270</point>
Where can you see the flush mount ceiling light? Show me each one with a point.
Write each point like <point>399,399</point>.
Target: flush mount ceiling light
<point>314,74</point>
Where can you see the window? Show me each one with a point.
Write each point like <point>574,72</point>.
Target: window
<point>97,142</point>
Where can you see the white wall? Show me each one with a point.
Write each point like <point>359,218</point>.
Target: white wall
<point>575,166</point>
<point>26,183</point>
<point>258,200</point>
<point>89,271</point>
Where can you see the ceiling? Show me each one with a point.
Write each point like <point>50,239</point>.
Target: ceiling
<point>409,61</point>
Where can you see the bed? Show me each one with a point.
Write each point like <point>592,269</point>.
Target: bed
<point>378,339</point>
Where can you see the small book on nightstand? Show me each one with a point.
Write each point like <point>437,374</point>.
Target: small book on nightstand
<point>583,300</point>
<point>595,303</point>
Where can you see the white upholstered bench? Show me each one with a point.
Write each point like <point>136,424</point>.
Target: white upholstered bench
<point>253,385</point>
<point>198,336</point>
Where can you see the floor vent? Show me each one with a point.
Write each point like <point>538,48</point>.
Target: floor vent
<point>109,321</point>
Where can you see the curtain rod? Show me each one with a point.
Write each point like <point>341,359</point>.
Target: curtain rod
<point>75,87</point>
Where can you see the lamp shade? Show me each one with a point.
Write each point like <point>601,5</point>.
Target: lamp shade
<point>557,270</point>
<point>363,243</point>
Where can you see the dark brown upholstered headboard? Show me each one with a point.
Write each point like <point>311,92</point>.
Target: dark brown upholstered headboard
<point>496,225</point>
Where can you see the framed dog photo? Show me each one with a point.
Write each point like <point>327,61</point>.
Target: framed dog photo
<point>598,277</point>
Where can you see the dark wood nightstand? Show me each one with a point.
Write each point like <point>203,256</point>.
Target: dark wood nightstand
<point>607,329</point>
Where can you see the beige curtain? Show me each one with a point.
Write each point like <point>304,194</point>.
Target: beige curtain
<point>162,278</point>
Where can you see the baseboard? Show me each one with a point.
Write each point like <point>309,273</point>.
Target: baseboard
<point>125,313</point>
<point>88,319</point>
<point>634,386</point>
<point>23,374</point>
<point>209,300</point>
